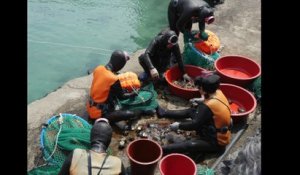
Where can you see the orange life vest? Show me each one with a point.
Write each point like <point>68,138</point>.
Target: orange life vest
<point>103,79</point>
<point>222,116</point>
<point>129,80</point>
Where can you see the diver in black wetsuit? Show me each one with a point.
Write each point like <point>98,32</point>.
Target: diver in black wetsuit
<point>106,90</point>
<point>95,159</point>
<point>159,55</point>
<point>211,120</point>
<point>183,13</point>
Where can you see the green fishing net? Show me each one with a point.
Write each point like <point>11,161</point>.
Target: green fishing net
<point>197,58</point>
<point>204,170</point>
<point>60,135</point>
<point>145,100</point>
<point>255,87</point>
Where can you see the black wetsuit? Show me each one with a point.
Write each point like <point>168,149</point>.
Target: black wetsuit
<point>202,122</point>
<point>158,56</point>
<point>213,3</point>
<point>180,13</point>
<point>113,114</point>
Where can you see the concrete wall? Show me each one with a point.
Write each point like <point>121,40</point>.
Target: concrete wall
<point>237,25</point>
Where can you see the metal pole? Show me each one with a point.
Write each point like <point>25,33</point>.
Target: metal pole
<point>238,135</point>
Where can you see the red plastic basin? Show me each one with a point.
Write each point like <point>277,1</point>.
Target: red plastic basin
<point>174,73</point>
<point>177,164</point>
<point>237,70</point>
<point>144,155</point>
<point>241,97</point>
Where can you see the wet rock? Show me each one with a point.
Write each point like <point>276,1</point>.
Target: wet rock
<point>138,129</point>
<point>121,144</point>
<point>170,138</point>
<point>152,125</point>
<point>143,134</point>
<point>125,133</point>
<point>156,137</point>
<point>179,131</point>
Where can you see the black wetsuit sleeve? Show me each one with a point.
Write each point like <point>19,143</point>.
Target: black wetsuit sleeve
<point>65,169</point>
<point>203,114</point>
<point>117,91</point>
<point>177,54</point>
<point>201,25</point>
<point>183,19</point>
<point>202,15</point>
<point>150,53</point>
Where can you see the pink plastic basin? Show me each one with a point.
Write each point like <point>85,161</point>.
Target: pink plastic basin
<point>237,70</point>
<point>177,164</point>
<point>174,73</point>
<point>240,97</point>
<point>144,155</point>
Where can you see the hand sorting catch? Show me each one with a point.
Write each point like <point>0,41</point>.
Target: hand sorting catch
<point>184,84</point>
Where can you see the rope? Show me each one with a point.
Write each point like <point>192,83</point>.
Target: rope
<point>68,45</point>
<point>60,121</point>
<point>74,46</point>
<point>135,91</point>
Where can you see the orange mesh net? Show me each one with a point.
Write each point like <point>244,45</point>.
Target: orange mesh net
<point>129,80</point>
<point>210,46</point>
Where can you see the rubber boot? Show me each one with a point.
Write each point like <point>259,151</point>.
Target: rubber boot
<point>123,126</point>
<point>117,116</point>
<point>174,114</point>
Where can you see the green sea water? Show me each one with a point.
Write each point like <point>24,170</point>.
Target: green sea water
<point>68,37</point>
